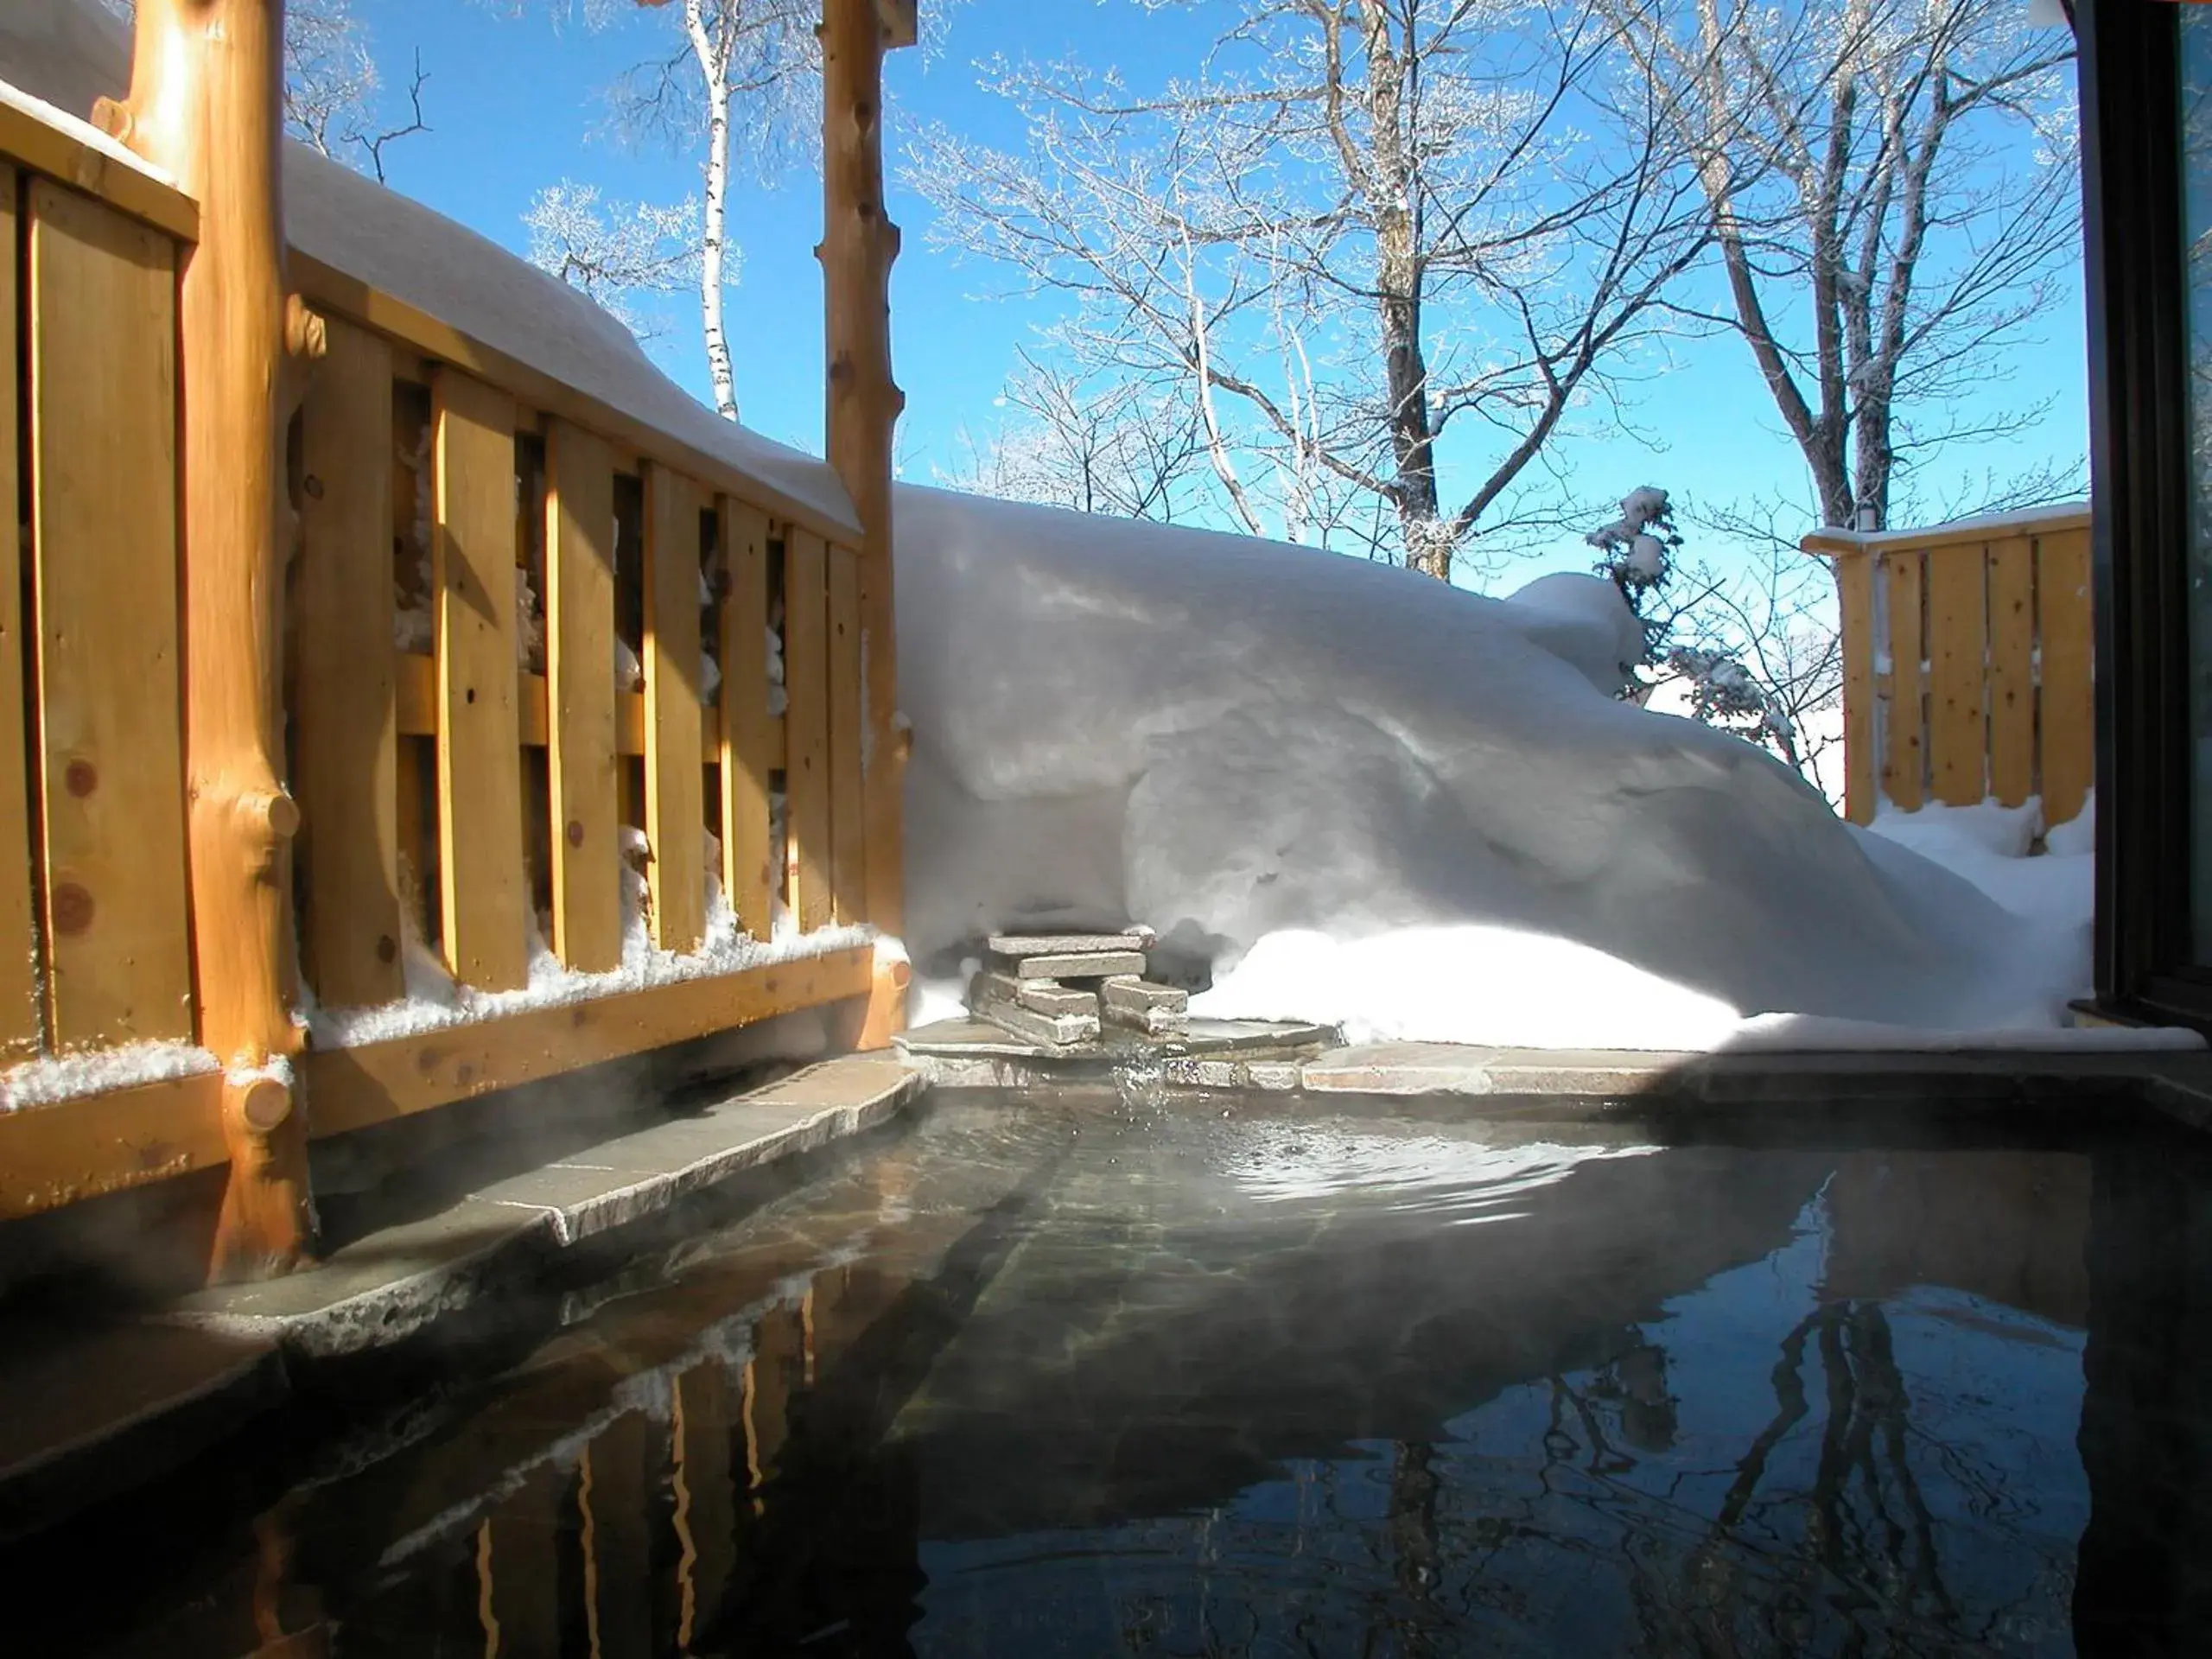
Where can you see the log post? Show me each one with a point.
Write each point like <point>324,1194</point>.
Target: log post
<point>204,106</point>
<point>859,244</point>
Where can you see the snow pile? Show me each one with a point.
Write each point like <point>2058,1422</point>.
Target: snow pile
<point>1348,794</point>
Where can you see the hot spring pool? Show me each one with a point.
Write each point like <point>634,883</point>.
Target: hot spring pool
<point>1051,1375</point>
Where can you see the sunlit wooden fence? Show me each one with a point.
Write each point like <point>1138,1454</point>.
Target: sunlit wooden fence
<point>459,781</point>
<point>1967,663</point>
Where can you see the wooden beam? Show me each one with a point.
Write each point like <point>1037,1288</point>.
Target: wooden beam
<point>847,804</point>
<point>578,693</point>
<point>103,499</point>
<point>480,783</point>
<point>205,107</point>
<point>60,1154</point>
<point>806,726</point>
<point>76,161</point>
<point>676,810</point>
<point>340,294</point>
<point>19,994</point>
<point>346,747</point>
<point>900,21</point>
<point>1828,543</point>
<point>353,1088</point>
<point>859,244</point>
<point>416,682</point>
<point>750,743</point>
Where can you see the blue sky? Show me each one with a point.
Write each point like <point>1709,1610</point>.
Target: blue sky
<point>515,105</point>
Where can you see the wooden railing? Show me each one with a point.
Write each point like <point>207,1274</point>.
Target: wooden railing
<point>458,788</point>
<point>1967,663</point>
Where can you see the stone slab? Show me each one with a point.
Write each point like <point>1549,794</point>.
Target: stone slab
<point>1019,945</point>
<point>90,1411</point>
<point>1038,995</point>
<point>1054,1030</point>
<point>1126,992</point>
<point>1090,964</point>
<point>382,1288</point>
<point>972,1039</point>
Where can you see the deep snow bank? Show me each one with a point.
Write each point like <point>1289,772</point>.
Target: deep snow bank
<point>1356,796</point>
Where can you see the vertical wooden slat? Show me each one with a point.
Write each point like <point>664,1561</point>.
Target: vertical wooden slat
<point>1854,583</point>
<point>747,877</point>
<point>103,308</point>
<point>344,720</point>
<point>1957,730</point>
<point>806,726</point>
<point>848,713</point>
<point>2068,712</point>
<point>618,1513</point>
<point>706,1504</point>
<point>19,1010</point>
<point>479,788</point>
<point>2011,670</point>
<point>580,695</point>
<point>676,785</point>
<point>1902,745</point>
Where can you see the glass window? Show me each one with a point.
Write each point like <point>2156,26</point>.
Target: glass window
<point>2196,25</point>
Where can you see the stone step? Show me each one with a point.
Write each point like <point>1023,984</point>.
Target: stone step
<point>89,1409</point>
<point>1093,964</point>
<point>1019,945</point>
<point>1157,1010</point>
<point>1038,995</point>
<point>1057,1030</point>
<point>379,1289</point>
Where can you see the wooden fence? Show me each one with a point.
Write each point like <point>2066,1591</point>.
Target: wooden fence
<point>1967,670</point>
<point>456,782</point>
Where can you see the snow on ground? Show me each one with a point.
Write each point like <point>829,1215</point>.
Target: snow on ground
<point>1351,795</point>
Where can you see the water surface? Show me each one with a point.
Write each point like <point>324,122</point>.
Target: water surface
<point>1058,1376</point>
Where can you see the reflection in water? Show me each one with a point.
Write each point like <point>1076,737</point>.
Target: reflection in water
<point>1069,1383</point>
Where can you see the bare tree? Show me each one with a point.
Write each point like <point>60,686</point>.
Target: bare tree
<point>1892,186</point>
<point>332,86</point>
<point>1362,225</point>
<point>1109,449</point>
<point>615,251</point>
<point>749,69</point>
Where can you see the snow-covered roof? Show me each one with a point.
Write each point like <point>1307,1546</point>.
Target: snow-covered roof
<point>62,55</point>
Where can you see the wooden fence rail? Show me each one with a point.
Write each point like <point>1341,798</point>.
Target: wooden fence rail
<point>526,694</point>
<point>1967,672</point>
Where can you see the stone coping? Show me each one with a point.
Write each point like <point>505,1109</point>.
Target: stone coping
<point>2178,1084</point>
<point>380,1289</point>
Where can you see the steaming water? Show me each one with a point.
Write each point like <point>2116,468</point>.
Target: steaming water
<point>1098,1377</point>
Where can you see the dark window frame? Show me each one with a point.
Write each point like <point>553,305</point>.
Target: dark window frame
<point>2139,414</point>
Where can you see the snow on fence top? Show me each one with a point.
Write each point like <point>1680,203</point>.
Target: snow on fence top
<point>2023,521</point>
<point>63,54</point>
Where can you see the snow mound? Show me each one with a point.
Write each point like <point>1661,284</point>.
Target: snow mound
<point>1348,794</point>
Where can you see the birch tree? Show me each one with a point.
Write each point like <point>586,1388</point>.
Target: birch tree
<point>747,70</point>
<point>1382,251</point>
<point>1893,187</point>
